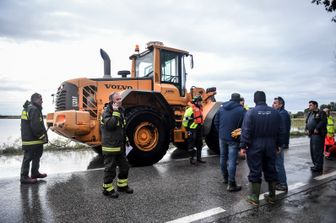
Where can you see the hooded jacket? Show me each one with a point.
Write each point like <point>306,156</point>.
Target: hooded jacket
<point>229,117</point>
<point>33,131</point>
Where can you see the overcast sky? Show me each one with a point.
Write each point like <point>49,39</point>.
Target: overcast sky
<point>286,48</point>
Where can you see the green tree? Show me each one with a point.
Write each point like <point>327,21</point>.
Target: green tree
<point>329,5</point>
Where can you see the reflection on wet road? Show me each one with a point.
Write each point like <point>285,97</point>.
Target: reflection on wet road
<point>53,162</point>
<point>168,191</point>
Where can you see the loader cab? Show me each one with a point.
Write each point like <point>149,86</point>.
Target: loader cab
<point>166,66</point>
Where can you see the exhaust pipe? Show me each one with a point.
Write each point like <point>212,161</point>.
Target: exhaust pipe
<point>107,64</point>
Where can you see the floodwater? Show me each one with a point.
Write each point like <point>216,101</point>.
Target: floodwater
<point>51,162</point>
<point>63,161</point>
<point>11,135</point>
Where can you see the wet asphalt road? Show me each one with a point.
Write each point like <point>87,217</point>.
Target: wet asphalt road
<point>170,190</point>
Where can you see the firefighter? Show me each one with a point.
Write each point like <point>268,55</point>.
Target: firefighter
<point>329,139</point>
<point>33,135</point>
<point>262,135</point>
<point>113,147</point>
<point>193,121</point>
<point>316,128</point>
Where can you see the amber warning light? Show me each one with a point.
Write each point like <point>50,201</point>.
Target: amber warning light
<point>136,48</point>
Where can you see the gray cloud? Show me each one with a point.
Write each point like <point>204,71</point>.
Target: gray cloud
<point>290,43</point>
<point>12,86</point>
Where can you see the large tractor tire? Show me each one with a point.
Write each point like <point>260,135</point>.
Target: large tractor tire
<point>212,140</point>
<point>148,134</point>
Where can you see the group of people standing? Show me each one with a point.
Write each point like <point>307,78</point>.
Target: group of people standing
<point>261,134</point>
<point>264,133</point>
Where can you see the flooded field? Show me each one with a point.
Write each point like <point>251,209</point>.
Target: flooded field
<point>61,161</point>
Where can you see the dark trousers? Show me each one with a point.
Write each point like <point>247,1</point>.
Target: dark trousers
<point>261,158</point>
<point>195,140</point>
<point>316,150</point>
<point>32,154</point>
<point>111,162</point>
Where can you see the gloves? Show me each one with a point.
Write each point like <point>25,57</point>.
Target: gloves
<point>236,133</point>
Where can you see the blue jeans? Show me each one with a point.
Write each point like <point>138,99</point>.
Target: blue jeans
<point>280,168</point>
<point>228,159</point>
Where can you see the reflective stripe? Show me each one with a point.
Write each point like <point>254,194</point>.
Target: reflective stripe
<point>193,125</point>
<point>187,116</point>
<point>111,149</point>
<point>42,136</point>
<point>27,143</point>
<point>24,115</point>
<point>116,114</point>
<point>108,187</point>
<point>330,126</point>
<point>122,182</point>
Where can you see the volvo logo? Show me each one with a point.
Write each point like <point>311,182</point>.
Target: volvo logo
<point>116,86</point>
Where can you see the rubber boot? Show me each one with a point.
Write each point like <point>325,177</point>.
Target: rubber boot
<point>270,198</point>
<point>253,198</point>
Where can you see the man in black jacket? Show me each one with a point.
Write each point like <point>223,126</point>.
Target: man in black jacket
<point>33,135</point>
<point>113,147</point>
<point>316,128</point>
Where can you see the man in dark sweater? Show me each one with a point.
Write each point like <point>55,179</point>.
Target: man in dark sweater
<point>316,129</point>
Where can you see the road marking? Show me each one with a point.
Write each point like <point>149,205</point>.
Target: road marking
<point>325,176</point>
<point>290,187</point>
<point>198,216</point>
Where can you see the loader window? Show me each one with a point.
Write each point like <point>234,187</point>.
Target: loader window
<point>169,68</point>
<point>145,65</point>
<point>172,69</point>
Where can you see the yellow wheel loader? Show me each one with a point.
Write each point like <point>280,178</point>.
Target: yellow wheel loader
<point>154,96</point>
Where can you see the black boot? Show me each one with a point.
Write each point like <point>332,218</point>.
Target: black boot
<point>232,187</point>
<point>112,193</point>
<point>200,160</point>
<point>126,190</point>
<point>192,161</point>
<point>39,175</point>
<point>27,180</point>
